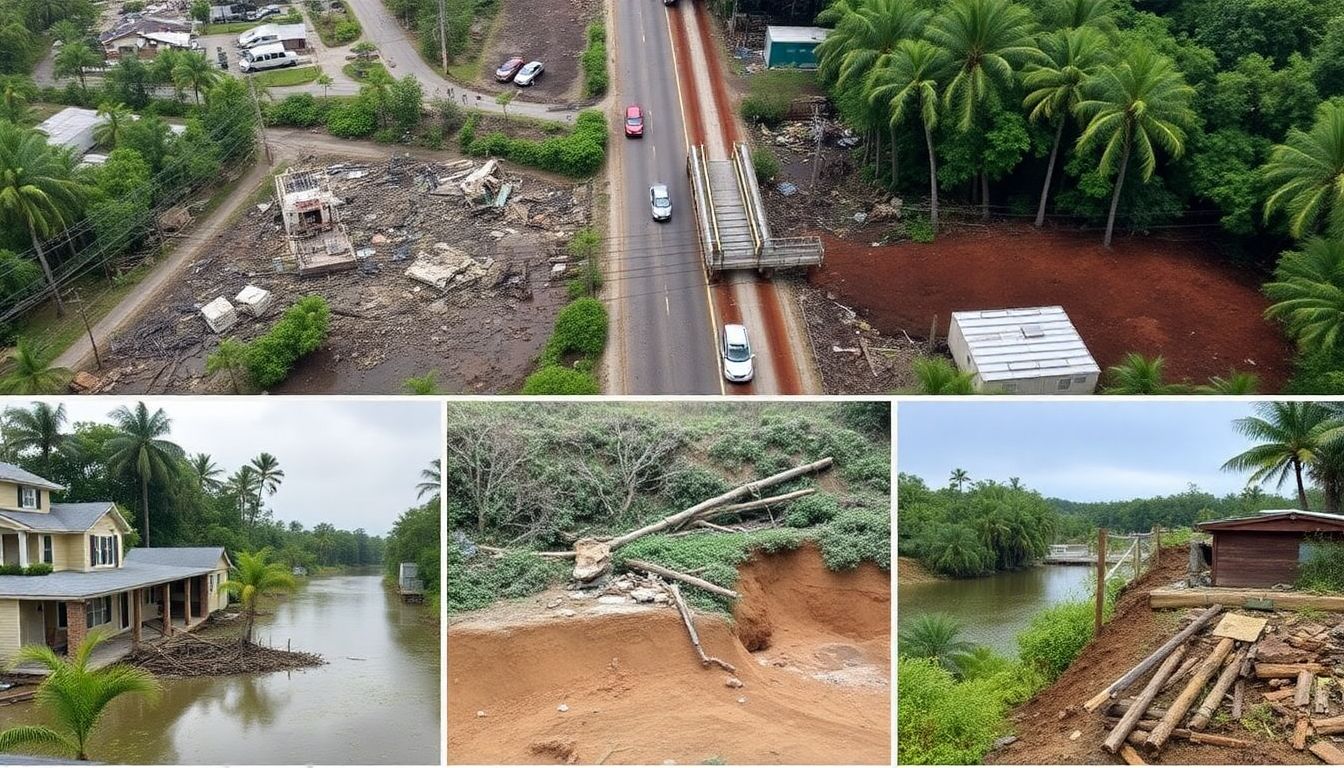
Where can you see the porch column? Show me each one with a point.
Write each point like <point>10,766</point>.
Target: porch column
<point>167,617</point>
<point>137,616</point>
<point>76,624</point>
<point>186,601</point>
<point>23,549</point>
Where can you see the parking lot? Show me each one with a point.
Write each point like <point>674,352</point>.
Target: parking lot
<point>557,42</point>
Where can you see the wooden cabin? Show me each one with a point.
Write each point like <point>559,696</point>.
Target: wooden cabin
<point>1266,549</point>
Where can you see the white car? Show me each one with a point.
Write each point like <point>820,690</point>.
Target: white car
<point>738,365</point>
<point>528,74</point>
<point>660,202</point>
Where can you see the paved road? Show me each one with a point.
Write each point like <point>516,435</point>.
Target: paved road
<point>664,331</point>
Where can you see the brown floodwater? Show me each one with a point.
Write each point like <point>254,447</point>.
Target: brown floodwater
<point>376,701</point>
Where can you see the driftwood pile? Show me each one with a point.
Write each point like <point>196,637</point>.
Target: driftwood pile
<point>1232,666</point>
<point>190,655</point>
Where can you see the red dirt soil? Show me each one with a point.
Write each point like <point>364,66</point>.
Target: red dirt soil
<point>818,692</point>
<point>1044,723</point>
<point>1155,297</point>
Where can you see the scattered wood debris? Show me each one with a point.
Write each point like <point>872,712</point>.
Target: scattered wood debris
<point>190,655</point>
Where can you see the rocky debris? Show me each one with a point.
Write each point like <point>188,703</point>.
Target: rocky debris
<point>447,268</point>
<point>480,713</point>
<point>592,559</point>
<point>253,300</point>
<point>853,356</point>
<point>612,599</point>
<point>742,700</point>
<point>219,315</point>
<point>567,613</point>
<point>732,682</point>
<point>85,383</point>
<point>644,595</point>
<point>560,750</point>
<point>562,708</point>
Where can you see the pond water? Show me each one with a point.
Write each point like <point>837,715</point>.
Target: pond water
<point>376,701</point>
<point>994,609</point>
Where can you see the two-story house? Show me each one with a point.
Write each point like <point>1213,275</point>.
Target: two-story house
<point>91,583</point>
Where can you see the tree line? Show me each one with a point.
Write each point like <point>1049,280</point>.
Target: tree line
<point>1137,114</point>
<point>417,535</point>
<point>172,497</point>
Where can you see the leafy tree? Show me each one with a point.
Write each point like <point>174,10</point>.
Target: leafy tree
<point>32,372</point>
<point>152,137</point>
<point>36,429</point>
<point>141,449</point>
<point>200,10</point>
<point>75,60</point>
<point>76,694</point>
<point>1133,108</point>
<point>129,82</point>
<point>1290,438</point>
<point>252,577</point>
<point>194,70</point>
<point>112,128</point>
<point>503,99</point>
<point>1306,173</point>
<point>16,92</point>
<point>1308,294</point>
<point>910,75</point>
<point>935,636</point>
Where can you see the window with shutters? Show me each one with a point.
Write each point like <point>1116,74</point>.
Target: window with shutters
<point>48,554</point>
<point>103,550</point>
<point>28,498</point>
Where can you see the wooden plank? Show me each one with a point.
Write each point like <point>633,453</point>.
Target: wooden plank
<point>1238,626</point>
<point>1328,753</point>
<point>1301,730</point>
<point>1329,726</point>
<point>1279,671</point>
<point>1130,756</point>
<point>1238,698</point>
<point>1306,679</point>
<point>1136,711</point>
<point>1129,678</point>
<point>1321,706</point>
<point>1177,709</point>
<point>1163,598</point>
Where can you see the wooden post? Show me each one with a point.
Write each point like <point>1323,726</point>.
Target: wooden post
<point>1157,545</point>
<point>1101,582</point>
<point>1194,567</point>
<point>1214,700</point>
<point>1136,710</point>
<point>1138,549</point>
<point>1186,698</point>
<point>1122,683</point>
<point>137,616</point>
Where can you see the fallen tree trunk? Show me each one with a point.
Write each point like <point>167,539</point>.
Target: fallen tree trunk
<point>1137,738</point>
<point>693,581</point>
<point>1136,711</point>
<point>757,504</point>
<point>1277,671</point>
<point>1177,709</point>
<point>1328,753</point>
<point>1214,700</point>
<point>1129,678</point>
<point>1329,726</point>
<point>705,660</point>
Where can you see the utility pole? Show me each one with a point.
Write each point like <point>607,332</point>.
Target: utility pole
<point>79,304</point>
<point>819,129</point>
<point>443,39</point>
<point>261,120</point>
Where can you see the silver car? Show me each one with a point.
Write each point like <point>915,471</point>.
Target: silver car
<point>528,74</point>
<point>660,201</point>
<point>738,365</point>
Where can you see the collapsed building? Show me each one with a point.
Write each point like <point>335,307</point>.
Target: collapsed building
<point>318,242</point>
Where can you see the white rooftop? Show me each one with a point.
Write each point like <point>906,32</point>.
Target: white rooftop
<point>796,34</point>
<point>1028,343</point>
<point>71,127</point>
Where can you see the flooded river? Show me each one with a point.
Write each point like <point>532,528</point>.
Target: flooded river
<point>994,609</point>
<point>376,701</point>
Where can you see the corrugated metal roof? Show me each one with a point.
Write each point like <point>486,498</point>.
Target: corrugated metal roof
<point>71,127</point>
<point>1026,343</point>
<point>181,557</point>
<point>63,518</point>
<point>1266,515</point>
<point>796,34</point>
<point>65,585</point>
<point>17,474</point>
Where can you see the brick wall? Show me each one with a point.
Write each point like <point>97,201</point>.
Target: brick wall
<point>77,622</point>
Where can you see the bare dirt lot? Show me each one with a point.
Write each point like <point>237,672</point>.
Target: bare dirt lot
<point>811,647</point>
<point>481,335</point>
<point>550,31</point>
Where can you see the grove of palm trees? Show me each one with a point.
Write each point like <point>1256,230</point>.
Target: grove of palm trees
<point>1167,170</point>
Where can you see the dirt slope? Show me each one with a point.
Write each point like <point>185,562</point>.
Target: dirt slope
<point>1044,723</point>
<point>817,689</point>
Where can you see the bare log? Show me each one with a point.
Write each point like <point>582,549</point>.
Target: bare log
<point>705,660</point>
<point>1136,711</point>
<point>1214,700</point>
<point>1137,738</point>
<point>1189,666</point>
<point>1238,698</point>
<point>1276,671</point>
<point>1129,678</point>
<point>1301,730</point>
<point>1328,753</point>
<point>1329,726</point>
<point>1177,709</point>
<point>748,506</point>
<point>1130,756</point>
<point>1119,708</point>
<point>688,579</point>
<point>714,527</point>
<point>1302,693</point>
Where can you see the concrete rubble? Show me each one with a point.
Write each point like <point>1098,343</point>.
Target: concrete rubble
<point>219,315</point>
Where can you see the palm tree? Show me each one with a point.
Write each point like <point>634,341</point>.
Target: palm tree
<point>32,372</point>
<point>1306,173</point>
<point>1235,383</point>
<point>1291,436</point>
<point>959,478</point>
<point>864,36</point>
<point>244,486</point>
<point>192,69</point>
<point>252,576</point>
<point>911,74</point>
<point>116,117</point>
<point>231,356</point>
<point>74,60</point>
<point>38,430</point>
<point>207,472</point>
<point>988,40</point>
<point>140,448</point>
<point>1308,293</point>
<point>1139,375</point>
<point>956,550</point>
<point>937,376</point>
<point>1131,107</point>
<point>431,480</point>
<point>76,694</point>
<point>324,537</point>
<point>14,98</point>
<point>935,636</point>
<point>1076,14</point>
<point>38,191</point>
<point>1055,86</point>
<point>269,475</point>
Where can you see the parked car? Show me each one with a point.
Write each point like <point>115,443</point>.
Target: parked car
<point>269,56</point>
<point>738,365</point>
<point>261,13</point>
<point>528,74</point>
<point>660,202</point>
<point>508,69</point>
<point>634,121</point>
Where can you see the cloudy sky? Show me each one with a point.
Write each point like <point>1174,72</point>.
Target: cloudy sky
<point>353,464</point>
<point>1094,450</point>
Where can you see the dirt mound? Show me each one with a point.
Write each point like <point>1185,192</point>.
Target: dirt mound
<point>634,692</point>
<point>1147,295</point>
<point>1045,723</point>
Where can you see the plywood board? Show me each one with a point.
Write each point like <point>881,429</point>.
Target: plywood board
<point>1247,629</point>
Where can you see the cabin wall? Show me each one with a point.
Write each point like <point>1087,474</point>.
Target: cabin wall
<point>1256,558</point>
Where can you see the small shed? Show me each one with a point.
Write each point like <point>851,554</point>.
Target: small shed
<point>792,46</point>
<point>1267,549</point>
<point>72,128</point>
<point>1029,351</point>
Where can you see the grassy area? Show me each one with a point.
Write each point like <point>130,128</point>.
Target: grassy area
<point>769,94</point>
<point>359,72</point>
<point>238,27</point>
<point>337,29</point>
<point>287,76</point>
<point>468,67</point>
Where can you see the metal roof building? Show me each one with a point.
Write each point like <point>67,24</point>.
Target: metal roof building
<point>71,127</point>
<point>1028,351</point>
<point>792,46</point>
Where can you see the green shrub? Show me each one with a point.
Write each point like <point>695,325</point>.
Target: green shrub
<point>1056,636</point>
<point>580,328</point>
<point>919,229</point>
<point>298,332</point>
<point>941,721</point>
<point>386,135</point>
<point>578,153</point>
<point>352,121</point>
<point>559,380</point>
<point>594,62</point>
<point>432,138</point>
<point>811,510</point>
<point>766,164</point>
<point>766,110</point>
<point>855,535</point>
<point>873,470</point>
<point>713,556</point>
<point>736,448</point>
<point>476,584</point>
<point>1323,570</point>
<point>37,569</point>
<point>691,484</point>
<point>345,31</point>
<point>300,110</point>
<point>11,570</point>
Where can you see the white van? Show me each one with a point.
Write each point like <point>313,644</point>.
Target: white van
<point>272,56</point>
<point>261,35</point>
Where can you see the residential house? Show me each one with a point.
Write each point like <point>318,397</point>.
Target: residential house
<point>91,585</point>
<point>145,36</point>
<point>1269,548</point>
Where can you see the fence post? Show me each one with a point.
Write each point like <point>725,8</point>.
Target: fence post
<point>1101,581</point>
<point>1138,552</point>
<point>1157,545</point>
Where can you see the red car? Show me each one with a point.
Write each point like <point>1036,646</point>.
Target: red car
<point>508,69</point>
<point>634,121</point>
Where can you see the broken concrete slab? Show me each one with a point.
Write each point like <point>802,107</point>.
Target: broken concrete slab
<point>219,315</point>
<point>253,300</point>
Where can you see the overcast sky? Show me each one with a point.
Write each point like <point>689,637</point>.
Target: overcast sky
<point>1095,450</point>
<point>353,464</point>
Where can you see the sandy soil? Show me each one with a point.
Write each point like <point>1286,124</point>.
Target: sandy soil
<point>816,685</point>
<point>1045,723</point>
<point>550,31</point>
<point>911,571</point>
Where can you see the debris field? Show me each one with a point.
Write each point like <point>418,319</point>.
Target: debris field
<point>459,268</point>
